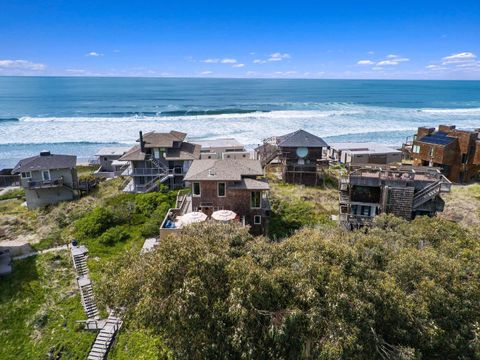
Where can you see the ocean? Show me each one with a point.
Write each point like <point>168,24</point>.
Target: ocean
<point>79,115</point>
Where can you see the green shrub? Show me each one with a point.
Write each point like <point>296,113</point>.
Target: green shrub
<point>113,235</point>
<point>146,204</point>
<point>13,194</point>
<point>290,216</point>
<point>151,228</point>
<point>95,223</point>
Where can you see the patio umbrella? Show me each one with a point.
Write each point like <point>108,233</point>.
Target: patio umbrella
<point>193,217</point>
<point>224,215</point>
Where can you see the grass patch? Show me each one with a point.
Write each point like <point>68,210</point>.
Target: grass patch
<point>13,194</point>
<point>38,310</point>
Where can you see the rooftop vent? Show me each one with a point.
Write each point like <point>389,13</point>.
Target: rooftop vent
<point>211,172</point>
<point>45,153</point>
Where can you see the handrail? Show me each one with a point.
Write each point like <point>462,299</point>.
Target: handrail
<point>39,183</point>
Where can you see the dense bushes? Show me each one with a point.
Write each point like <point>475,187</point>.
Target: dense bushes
<point>95,223</point>
<point>113,235</point>
<point>142,214</point>
<point>401,291</point>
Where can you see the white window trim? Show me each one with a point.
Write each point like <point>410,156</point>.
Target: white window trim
<point>224,189</point>
<point>416,149</point>
<point>26,177</point>
<point>251,202</point>
<point>199,189</point>
<point>255,222</point>
<point>49,175</point>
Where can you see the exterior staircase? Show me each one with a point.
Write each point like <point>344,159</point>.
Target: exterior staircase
<point>108,327</point>
<point>88,298</point>
<point>426,194</point>
<point>104,339</point>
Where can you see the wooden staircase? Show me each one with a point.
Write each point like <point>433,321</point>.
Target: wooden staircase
<point>104,339</point>
<point>108,327</point>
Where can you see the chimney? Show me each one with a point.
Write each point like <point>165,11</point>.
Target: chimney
<point>45,153</point>
<point>142,143</point>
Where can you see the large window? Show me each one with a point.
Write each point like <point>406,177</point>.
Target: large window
<point>26,175</point>
<point>196,189</point>
<point>416,149</point>
<point>221,189</point>
<point>255,199</point>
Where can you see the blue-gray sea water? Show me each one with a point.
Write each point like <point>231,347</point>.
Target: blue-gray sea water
<point>79,115</point>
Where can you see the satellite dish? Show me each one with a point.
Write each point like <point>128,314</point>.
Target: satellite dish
<point>302,152</point>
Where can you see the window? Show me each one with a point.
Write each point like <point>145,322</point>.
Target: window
<point>257,219</point>
<point>26,175</point>
<point>221,189</point>
<point>196,189</point>
<point>431,151</point>
<point>255,200</point>
<point>46,175</point>
<point>464,158</point>
<point>416,149</point>
<point>366,210</point>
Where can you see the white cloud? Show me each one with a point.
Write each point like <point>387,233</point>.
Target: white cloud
<point>21,65</point>
<point>238,65</point>
<point>365,62</point>
<point>229,61</point>
<point>206,72</point>
<point>278,56</point>
<point>259,61</point>
<point>459,58</point>
<point>285,73</point>
<point>387,62</point>
<point>371,52</point>
<point>211,61</point>
<point>435,67</point>
<point>93,54</point>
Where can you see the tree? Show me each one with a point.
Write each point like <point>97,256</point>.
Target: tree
<point>399,291</point>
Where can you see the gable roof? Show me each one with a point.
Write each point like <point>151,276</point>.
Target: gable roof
<point>162,140</point>
<point>45,162</point>
<point>223,169</point>
<point>301,138</point>
<point>134,154</point>
<point>112,151</point>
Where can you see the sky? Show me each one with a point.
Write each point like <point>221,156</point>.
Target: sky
<point>242,39</point>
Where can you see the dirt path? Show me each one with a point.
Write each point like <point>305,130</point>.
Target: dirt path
<point>34,253</point>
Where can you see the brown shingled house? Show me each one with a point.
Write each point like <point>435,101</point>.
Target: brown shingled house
<point>228,184</point>
<point>300,155</point>
<point>160,158</point>
<point>456,152</point>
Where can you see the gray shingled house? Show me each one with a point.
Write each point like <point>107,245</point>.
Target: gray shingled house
<point>160,158</point>
<point>48,178</point>
<point>300,155</point>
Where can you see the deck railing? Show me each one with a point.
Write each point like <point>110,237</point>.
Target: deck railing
<point>38,184</point>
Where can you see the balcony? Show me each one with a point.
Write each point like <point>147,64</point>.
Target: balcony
<point>152,171</point>
<point>44,184</point>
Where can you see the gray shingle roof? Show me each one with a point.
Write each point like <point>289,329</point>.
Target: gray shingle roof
<point>45,162</point>
<point>187,151</point>
<point>223,169</point>
<point>162,140</point>
<point>301,138</point>
<point>251,184</point>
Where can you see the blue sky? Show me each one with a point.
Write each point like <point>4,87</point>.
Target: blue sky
<point>295,39</point>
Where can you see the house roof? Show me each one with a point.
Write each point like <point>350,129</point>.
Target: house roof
<point>134,154</point>
<point>187,151</point>
<point>251,184</point>
<point>438,138</point>
<point>162,140</point>
<point>219,143</point>
<point>223,169</point>
<point>364,148</point>
<point>301,138</point>
<point>45,161</point>
<point>111,151</point>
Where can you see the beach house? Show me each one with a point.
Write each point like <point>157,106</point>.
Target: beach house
<point>358,154</point>
<point>456,152</point>
<point>224,148</point>
<point>48,178</point>
<point>159,158</point>
<point>232,185</point>
<point>403,191</point>
<point>300,155</point>
<point>109,162</point>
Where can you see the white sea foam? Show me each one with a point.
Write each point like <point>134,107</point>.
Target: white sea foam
<point>345,120</point>
<point>469,111</point>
